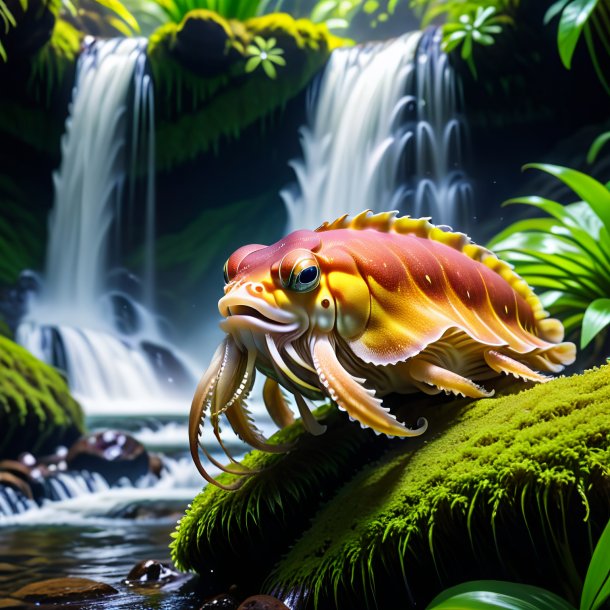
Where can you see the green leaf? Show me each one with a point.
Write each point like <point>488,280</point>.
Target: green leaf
<point>586,187</point>
<point>253,50</point>
<point>252,63</point>
<point>554,10</point>
<point>573,18</point>
<point>596,589</point>
<point>597,317</point>
<point>269,69</point>
<point>597,145</point>
<point>490,594</point>
<point>260,41</point>
<point>276,59</point>
<point>120,9</point>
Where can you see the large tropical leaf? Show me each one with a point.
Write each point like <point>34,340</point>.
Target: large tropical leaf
<point>573,19</point>
<point>587,188</point>
<point>596,589</point>
<point>597,317</point>
<point>490,594</point>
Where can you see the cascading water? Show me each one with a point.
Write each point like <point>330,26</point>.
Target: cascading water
<point>383,133</point>
<point>109,344</point>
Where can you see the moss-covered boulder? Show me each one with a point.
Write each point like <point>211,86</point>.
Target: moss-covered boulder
<point>514,488</point>
<point>37,413</point>
<point>203,91</point>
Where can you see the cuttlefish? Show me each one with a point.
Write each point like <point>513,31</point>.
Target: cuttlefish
<point>360,308</point>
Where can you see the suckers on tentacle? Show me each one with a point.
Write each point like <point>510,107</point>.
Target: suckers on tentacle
<point>363,307</point>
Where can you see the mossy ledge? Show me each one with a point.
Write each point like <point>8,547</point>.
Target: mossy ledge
<point>37,412</point>
<point>213,97</point>
<point>514,488</point>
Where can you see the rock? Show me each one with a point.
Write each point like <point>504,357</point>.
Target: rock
<point>111,453</point>
<point>150,572</point>
<point>170,371</point>
<point>263,602</point>
<point>203,43</point>
<point>6,603</point>
<point>220,602</point>
<point>63,590</point>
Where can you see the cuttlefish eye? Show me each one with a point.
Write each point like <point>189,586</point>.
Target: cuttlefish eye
<point>300,271</point>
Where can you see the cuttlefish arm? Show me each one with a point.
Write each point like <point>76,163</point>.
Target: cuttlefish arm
<point>202,400</point>
<point>350,395</point>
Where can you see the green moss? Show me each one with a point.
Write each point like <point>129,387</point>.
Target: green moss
<point>195,112</point>
<point>515,487</point>
<point>37,412</point>
<point>254,525</point>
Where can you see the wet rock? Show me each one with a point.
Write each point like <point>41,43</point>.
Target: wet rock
<point>262,602</point>
<point>170,371</point>
<point>25,475</point>
<point>155,464</point>
<point>6,603</point>
<point>151,573</point>
<point>220,602</point>
<point>111,453</point>
<point>63,590</point>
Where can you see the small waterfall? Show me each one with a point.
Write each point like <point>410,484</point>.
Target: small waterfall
<point>383,133</point>
<point>109,343</point>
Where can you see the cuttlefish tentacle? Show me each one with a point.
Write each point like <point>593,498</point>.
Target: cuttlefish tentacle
<point>310,423</point>
<point>241,422</point>
<point>203,398</point>
<point>349,394</point>
<point>276,405</point>
<point>231,389</point>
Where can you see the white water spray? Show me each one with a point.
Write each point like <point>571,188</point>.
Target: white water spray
<point>383,133</point>
<point>76,322</point>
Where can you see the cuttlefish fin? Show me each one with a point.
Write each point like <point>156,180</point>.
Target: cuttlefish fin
<point>348,392</point>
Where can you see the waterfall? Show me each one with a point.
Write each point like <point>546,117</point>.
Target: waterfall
<point>383,133</point>
<point>108,342</point>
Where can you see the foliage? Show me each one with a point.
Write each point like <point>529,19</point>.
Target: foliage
<point>482,595</point>
<point>195,112</point>
<point>473,28</point>
<point>37,412</point>
<point>583,18</point>
<point>55,61</point>
<point>490,594</point>
<point>228,9</point>
<point>9,21</point>
<point>265,54</point>
<point>567,255</point>
<point>512,485</point>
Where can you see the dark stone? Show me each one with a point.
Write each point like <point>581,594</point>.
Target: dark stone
<point>263,602</point>
<point>152,573</point>
<point>60,590</point>
<point>155,464</point>
<point>169,370</point>
<point>111,453</point>
<point>28,474</point>
<point>125,315</point>
<point>220,602</point>
<point>203,44</point>
<point>11,604</point>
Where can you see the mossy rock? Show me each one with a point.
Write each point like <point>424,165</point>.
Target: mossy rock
<point>514,488</point>
<point>37,412</point>
<point>203,92</point>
